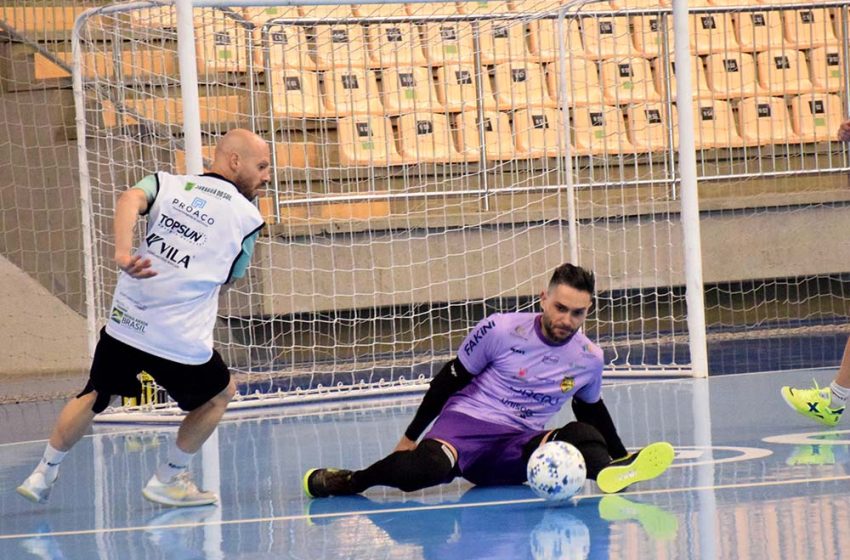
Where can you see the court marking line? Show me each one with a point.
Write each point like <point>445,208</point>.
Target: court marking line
<point>659,491</point>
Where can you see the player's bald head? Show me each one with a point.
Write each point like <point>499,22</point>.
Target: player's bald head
<point>243,158</point>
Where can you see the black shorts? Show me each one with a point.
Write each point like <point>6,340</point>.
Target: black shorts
<point>116,366</point>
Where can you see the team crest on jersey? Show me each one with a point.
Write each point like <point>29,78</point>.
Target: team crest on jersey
<point>567,384</point>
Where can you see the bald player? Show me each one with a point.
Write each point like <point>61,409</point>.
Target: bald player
<point>199,236</point>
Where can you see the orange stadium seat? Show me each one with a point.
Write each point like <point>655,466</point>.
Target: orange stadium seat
<point>583,85</point>
<point>427,138</point>
<point>649,127</point>
<point>341,46</point>
<point>339,11</point>
<point>816,117</point>
<point>433,9</point>
<point>288,48</point>
<point>295,94</point>
<point>607,37</point>
<point>394,44</point>
<point>732,75</point>
<point>628,80</point>
<point>409,89</point>
<point>638,4</point>
<point>502,41</point>
<point>758,31</point>
<point>699,81</point>
<point>600,130</point>
<point>539,132</point>
<point>784,72</point>
<point>519,85</point>
<point>498,137</point>
<point>351,92</point>
<point>221,45</point>
<point>485,7</point>
<point>367,140</point>
<point>808,28</point>
<point>380,10</point>
<point>648,35</point>
<point>448,42</point>
<point>214,110</point>
<point>826,66</point>
<point>711,33</point>
<point>714,125</point>
<point>765,120</point>
<point>543,39</point>
<point>456,89</point>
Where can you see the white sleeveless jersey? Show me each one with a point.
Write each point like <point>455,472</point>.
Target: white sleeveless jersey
<point>195,229</point>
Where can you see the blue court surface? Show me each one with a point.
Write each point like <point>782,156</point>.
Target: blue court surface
<point>752,479</point>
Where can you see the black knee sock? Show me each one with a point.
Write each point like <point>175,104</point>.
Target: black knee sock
<point>427,465</point>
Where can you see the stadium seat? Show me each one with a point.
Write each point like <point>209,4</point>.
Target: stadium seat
<point>288,48</point>
<point>699,82</point>
<point>519,85</point>
<point>427,138</point>
<point>809,28</point>
<point>638,4</point>
<point>758,31</point>
<point>456,90</point>
<point>40,20</point>
<point>327,11</point>
<point>816,117</point>
<point>448,42</point>
<point>433,9</point>
<point>485,7</point>
<point>711,33</point>
<point>409,89</point>
<point>583,85</point>
<point>221,45</point>
<point>628,80</point>
<point>543,39</point>
<point>826,67</point>
<point>536,6</point>
<point>607,37</point>
<point>732,75</point>
<point>341,46</point>
<point>765,120</point>
<point>783,72</point>
<point>394,44</point>
<point>351,92</point>
<point>502,41</point>
<point>649,127</point>
<point>134,64</point>
<point>599,130</point>
<point>648,35</point>
<point>295,94</point>
<point>498,138</point>
<point>380,10</point>
<point>207,153</point>
<point>714,125</point>
<point>367,140</point>
<point>539,132</point>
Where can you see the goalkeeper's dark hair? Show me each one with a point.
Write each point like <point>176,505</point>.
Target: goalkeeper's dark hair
<point>574,276</point>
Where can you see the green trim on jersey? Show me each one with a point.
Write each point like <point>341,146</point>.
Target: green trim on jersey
<point>150,185</point>
<point>240,267</point>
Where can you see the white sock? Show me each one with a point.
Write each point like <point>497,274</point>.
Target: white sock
<point>839,395</point>
<point>50,461</point>
<point>178,461</point>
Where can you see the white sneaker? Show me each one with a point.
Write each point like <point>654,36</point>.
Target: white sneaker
<point>36,488</point>
<point>180,492</point>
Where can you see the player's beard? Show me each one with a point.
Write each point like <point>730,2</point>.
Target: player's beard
<point>555,333</point>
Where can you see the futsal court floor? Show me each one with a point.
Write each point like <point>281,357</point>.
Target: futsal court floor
<point>751,480</point>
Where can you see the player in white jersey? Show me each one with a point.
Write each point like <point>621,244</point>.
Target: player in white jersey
<point>199,236</point>
<point>513,372</point>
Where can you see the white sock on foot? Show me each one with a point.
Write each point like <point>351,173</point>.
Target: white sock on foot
<point>178,461</point>
<point>50,461</point>
<point>839,395</point>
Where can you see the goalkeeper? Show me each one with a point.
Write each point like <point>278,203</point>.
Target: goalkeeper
<point>513,372</point>
<point>199,236</point>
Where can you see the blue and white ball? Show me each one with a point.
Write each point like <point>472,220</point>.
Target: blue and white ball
<point>556,471</point>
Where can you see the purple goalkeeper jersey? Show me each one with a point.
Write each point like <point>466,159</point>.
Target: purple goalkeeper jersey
<point>520,378</point>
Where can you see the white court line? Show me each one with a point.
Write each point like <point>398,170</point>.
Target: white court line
<point>659,491</point>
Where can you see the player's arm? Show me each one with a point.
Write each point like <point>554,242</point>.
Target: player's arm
<point>240,265</point>
<point>596,414</point>
<point>130,205</point>
<point>451,378</point>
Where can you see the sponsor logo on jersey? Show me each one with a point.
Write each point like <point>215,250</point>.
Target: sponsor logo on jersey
<point>170,254</point>
<point>524,411</point>
<point>477,336</point>
<point>550,359</point>
<point>185,231</point>
<point>193,211</point>
<point>519,332</point>
<point>536,396</point>
<point>567,384</point>
<point>220,194</point>
<point>516,350</point>
<point>120,316</point>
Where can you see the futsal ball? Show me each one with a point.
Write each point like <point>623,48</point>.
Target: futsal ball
<point>556,471</point>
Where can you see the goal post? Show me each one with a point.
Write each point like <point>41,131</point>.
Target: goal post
<point>434,162</point>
